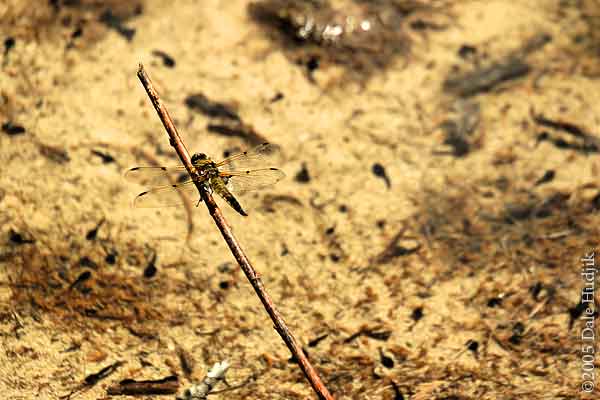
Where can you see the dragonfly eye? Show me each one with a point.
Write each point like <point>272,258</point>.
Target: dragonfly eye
<point>198,157</point>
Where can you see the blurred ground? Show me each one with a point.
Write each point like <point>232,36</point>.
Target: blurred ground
<point>449,270</point>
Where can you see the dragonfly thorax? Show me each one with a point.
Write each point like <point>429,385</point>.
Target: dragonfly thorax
<point>204,165</point>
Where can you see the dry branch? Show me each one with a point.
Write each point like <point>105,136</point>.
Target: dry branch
<point>280,325</point>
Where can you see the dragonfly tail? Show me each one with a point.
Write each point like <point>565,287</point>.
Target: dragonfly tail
<point>220,188</point>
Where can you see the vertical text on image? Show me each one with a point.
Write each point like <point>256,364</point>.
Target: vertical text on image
<point>588,339</point>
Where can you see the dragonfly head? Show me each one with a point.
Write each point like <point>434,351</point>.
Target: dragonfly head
<point>199,157</point>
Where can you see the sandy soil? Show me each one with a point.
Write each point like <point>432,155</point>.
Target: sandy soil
<point>458,280</point>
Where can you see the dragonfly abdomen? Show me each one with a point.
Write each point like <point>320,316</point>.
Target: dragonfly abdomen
<point>218,186</point>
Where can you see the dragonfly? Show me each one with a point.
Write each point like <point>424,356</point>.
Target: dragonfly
<point>238,174</point>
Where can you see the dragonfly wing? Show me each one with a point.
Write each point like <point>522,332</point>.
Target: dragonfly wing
<point>240,182</point>
<point>164,196</point>
<point>153,176</point>
<point>253,158</point>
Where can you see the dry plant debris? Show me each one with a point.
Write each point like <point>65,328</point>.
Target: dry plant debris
<point>463,286</point>
<point>85,290</point>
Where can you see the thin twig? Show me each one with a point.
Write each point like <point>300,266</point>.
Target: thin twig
<point>167,385</point>
<point>280,325</point>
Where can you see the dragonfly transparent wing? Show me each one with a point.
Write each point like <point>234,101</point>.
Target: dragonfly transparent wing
<point>240,182</point>
<point>154,176</point>
<point>250,159</point>
<point>165,196</point>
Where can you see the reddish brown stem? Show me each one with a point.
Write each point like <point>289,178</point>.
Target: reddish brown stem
<point>280,325</point>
